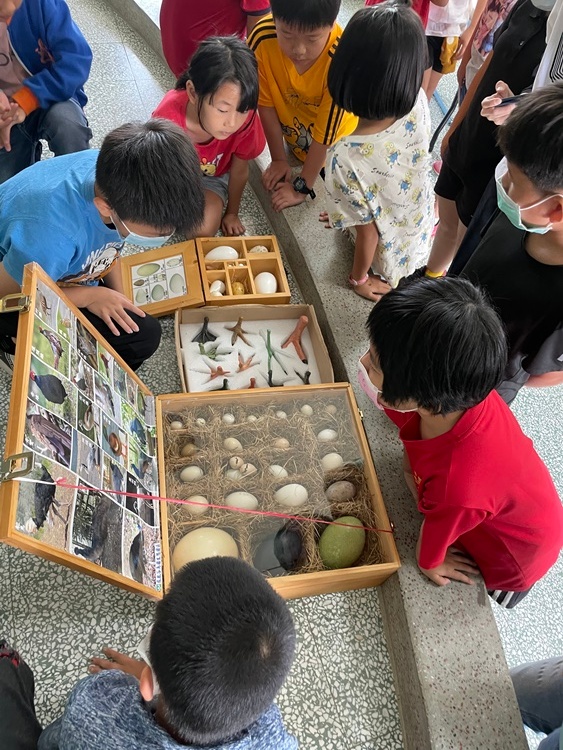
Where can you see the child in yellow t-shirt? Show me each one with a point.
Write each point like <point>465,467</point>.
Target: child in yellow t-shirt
<point>294,47</point>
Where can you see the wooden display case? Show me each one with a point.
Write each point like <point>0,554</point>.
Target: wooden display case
<point>163,280</point>
<point>221,320</point>
<point>243,270</point>
<point>70,446</point>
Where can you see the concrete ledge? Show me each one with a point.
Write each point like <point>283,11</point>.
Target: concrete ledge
<point>452,681</point>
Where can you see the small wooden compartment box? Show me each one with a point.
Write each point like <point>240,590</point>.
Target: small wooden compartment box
<point>93,471</point>
<point>163,280</point>
<point>244,270</point>
<point>221,320</point>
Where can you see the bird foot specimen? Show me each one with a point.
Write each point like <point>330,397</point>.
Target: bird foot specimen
<point>217,372</point>
<point>213,352</point>
<point>306,378</point>
<point>238,333</point>
<point>252,383</point>
<point>295,339</point>
<point>205,334</point>
<point>245,364</point>
<point>273,353</point>
<point>224,387</point>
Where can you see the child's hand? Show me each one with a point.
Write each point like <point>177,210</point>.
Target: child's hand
<point>278,171</point>
<point>285,196</point>
<point>117,660</point>
<point>464,39</point>
<point>489,106</point>
<point>8,118</point>
<point>325,219</point>
<point>113,307</point>
<point>232,226</point>
<point>454,568</point>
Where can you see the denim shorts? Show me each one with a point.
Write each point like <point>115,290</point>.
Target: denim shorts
<point>218,185</point>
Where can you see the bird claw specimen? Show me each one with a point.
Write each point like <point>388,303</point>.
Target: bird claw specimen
<point>224,387</point>
<point>273,353</point>
<point>295,339</point>
<point>252,383</point>
<point>214,352</point>
<point>270,380</point>
<point>217,372</point>
<point>245,364</point>
<point>306,378</point>
<point>238,333</point>
<point>205,334</point>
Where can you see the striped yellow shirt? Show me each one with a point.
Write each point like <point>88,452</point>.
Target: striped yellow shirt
<point>304,107</point>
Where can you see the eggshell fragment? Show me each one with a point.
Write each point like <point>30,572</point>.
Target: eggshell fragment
<point>202,543</point>
<point>291,495</point>
<point>248,470</point>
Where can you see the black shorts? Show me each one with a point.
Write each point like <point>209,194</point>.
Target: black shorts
<point>435,45</point>
<point>453,188</point>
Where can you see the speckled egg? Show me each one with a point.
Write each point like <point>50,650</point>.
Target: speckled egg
<point>340,492</point>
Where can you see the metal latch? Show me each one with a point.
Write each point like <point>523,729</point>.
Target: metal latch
<point>20,301</point>
<point>15,466</point>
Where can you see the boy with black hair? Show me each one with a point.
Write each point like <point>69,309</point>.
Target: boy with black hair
<point>294,47</point>
<point>437,353</point>
<point>73,214</point>
<point>45,62</point>
<point>519,261</point>
<point>219,650</point>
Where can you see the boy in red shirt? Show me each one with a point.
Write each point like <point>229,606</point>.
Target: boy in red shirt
<point>186,23</point>
<point>438,350</point>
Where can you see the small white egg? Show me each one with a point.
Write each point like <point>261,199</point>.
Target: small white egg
<point>248,470</point>
<point>242,500</point>
<point>251,418</point>
<point>199,507</point>
<point>281,443</point>
<point>201,421</point>
<point>229,418</point>
<point>326,436</point>
<point>202,543</point>
<point>176,425</point>
<point>236,462</point>
<point>232,444</point>
<point>277,471</point>
<point>222,252</point>
<point>307,410</point>
<point>188,450</point>
<point>291,495</point>
<point>233,474</point>
<point>191,474</point>
<point>259,249</point>
<point>331,409</point>
<point>217,286</point>
<point>216,293</point>
<point>332,461</point>
<point>266,283</point>
<point>281,415</point>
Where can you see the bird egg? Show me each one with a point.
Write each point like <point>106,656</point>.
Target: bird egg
<point>229,418</point>
<point>331,461</point>
<point>199,507</point>
<point>326,436</point>
<point>191,473</point>
<point>266,283</point>
<point>248,470</point>
<point>188,450</point>
<point>251,418</point>
<point>277,471</point>
<point>236,462</point>
<point>201,421</point>
<point>217,286</point>
<point>232,444</point>
<point>242,500</point>
<point>202,543</point>
<point>222,252</point>
<point>281,443</point>
<point>307,410</point>
<point>291,495</point>
<point>281,415</point>
<point>176,425</point>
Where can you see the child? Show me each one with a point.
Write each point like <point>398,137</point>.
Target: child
<point>72,215</point>
<point>294,50</point>
<point>420,7</point>
<point>47,61</point>
<point>186,23</point>
<point>215,102</point>
<point>519,261</point>
<point>219,651</point>
<point>378,177</point>
<point>448,32</point>
<point>437,352</point>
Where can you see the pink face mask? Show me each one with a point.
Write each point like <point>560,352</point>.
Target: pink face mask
<point>372,391</point>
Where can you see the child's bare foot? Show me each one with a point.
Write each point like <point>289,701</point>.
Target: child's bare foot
<point>373,288</point>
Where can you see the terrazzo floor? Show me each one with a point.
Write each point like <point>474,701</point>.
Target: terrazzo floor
<point>340,692</point>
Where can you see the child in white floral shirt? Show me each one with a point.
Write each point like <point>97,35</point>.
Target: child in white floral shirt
<point>378,177</point>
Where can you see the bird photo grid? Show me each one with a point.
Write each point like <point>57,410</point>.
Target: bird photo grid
<point>90,425</point>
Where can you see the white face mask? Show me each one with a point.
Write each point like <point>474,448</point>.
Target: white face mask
<point>143,651</point>
<point>371,390</point>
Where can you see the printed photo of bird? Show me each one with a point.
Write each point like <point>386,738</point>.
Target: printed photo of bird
<point>50,386</point>
<point>53,438</point>
<point>55,344</point>
<point>45,503</point>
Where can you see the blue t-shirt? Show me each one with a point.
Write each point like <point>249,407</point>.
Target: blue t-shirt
<point>47,215</point>
<point>106,712</point>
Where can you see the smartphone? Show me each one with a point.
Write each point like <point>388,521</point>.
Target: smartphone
<point>510,100</point>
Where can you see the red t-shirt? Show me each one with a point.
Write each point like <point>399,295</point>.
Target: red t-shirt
<point>216,156</point>
<point>422,7</point>
<point>186,23</point>
<point>483,487</point>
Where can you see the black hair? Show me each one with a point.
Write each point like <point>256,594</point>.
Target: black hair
<point>221,646</point>
<point>439,343</point>
<point>219,60</point>
<point>532,137</point>
<point>149,173</point>
<point>305,15</point>
<point>377,68</point>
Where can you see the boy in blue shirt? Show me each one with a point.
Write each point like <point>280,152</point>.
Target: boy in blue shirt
<point>218,653</point>
<point>45,63</point>
<point>73,214</point>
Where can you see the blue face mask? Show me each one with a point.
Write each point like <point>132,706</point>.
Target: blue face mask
<point>511,209</point>
<point>141,240</point>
